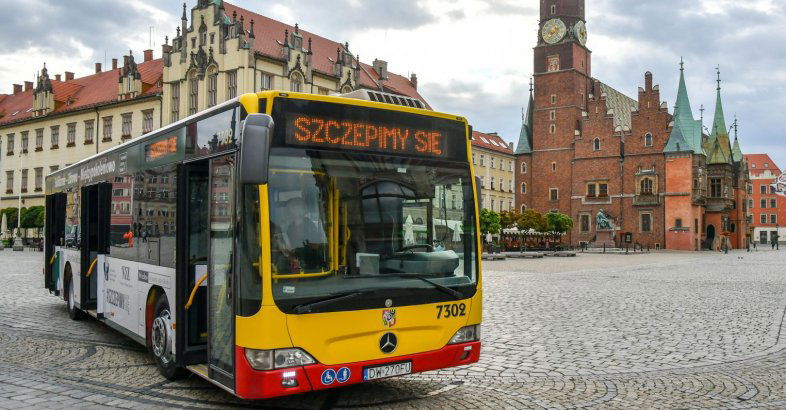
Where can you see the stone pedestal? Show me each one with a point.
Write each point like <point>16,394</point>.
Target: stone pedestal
<point>18,245</point>
<point>604,238</point>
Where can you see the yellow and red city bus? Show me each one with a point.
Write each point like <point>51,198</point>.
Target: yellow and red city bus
<point>278,243</point>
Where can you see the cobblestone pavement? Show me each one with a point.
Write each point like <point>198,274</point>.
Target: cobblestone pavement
<point>666,330</point>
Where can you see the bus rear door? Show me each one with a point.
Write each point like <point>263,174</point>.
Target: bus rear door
<point>95,219</point>
<point>55,233</point>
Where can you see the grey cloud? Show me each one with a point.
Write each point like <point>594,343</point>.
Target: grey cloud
<point>337,18</point>
<point>486,112</point>
<point>99,24</point>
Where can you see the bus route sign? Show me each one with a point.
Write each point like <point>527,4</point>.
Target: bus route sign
<point>313,130</point>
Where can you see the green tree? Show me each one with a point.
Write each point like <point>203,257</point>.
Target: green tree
<point>10,217</point>
<point>558,224</point>
<point>489,222</point>
<point>509,219</point>
<point>532,219</point>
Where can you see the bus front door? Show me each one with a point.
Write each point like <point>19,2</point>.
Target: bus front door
<point>95,220</point>
<point>54,236</point>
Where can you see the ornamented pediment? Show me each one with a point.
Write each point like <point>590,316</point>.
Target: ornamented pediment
<point>200,60</point>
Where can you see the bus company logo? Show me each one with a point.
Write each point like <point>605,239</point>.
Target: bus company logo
<point>142,276</point>
<point>117,299</point>
<point>389,317</point>
<point>388,343</point>
<point>779,186</point>
<point>90,172</point>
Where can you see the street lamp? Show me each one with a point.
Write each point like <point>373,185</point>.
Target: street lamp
<point>18,245</point>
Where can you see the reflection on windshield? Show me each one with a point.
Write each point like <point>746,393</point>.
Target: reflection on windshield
<point>341,223</point>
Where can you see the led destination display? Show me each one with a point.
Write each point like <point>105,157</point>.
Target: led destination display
<point>334,126</point>
<point>359,135</point>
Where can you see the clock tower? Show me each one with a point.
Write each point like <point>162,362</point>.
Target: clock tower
<point>562,79</point>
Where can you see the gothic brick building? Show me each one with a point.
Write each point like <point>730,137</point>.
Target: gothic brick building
<point>586,147</point>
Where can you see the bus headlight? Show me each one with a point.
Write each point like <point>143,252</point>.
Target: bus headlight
<point>278,359</point>
<point>466,334</point>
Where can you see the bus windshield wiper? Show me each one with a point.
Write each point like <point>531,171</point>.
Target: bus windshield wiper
<point>452,292</point>
<point>330,299</point>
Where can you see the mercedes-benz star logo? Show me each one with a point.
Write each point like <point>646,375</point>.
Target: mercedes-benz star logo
<point>388,343</point>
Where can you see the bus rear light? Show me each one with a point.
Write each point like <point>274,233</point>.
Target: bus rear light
<point>466,334</point>
<point>278,359</point>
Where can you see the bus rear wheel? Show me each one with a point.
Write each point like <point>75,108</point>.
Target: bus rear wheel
<point>73,312</point>
<point>161,340</point>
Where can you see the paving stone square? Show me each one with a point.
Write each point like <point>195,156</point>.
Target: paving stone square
<point>658,330</point>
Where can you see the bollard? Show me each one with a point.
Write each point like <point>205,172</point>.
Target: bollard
<point>627,248</point>
<point>604,248</point>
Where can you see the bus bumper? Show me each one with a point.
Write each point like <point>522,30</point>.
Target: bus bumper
<point>254,384</point>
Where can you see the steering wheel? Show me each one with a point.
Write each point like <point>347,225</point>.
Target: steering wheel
<point>429,248</point>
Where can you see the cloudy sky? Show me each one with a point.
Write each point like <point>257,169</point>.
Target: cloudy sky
<point>472,57</point>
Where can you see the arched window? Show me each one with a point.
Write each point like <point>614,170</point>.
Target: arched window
<point>523,187</point>
<point>212,86</point>
<point>648,140</point>
<point>646,186</point>
<point>523,167</point>
<point>296,82</point>
<point>346,89</point>
<point>419,221</point>
<point>596,144</point>
<point>523,208</point>
<point>193,94</point>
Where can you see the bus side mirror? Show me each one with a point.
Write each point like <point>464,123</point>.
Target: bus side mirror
<point>255,149</point>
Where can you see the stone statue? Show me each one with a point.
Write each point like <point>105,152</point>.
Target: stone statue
<point>603,221</point>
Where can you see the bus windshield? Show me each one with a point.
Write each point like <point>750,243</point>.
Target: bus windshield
<point>344,223</point>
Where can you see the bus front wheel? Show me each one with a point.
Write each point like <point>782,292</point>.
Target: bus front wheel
<point>161,340</point>
<point>73,312</point>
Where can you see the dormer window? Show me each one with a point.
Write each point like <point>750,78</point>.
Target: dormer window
<point>347,58</point>
<point>553,9</point>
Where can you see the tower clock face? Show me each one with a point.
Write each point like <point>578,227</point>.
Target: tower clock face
<point>554,31</point>
<point>580,31</point>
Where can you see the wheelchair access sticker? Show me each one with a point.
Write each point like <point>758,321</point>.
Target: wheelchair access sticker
<point>328,376</point>
<point>343,375</point>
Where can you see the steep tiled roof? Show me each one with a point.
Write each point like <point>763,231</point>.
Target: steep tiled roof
<point>621,104</point>
<point>736,151</point>
<point>83,92</point>
<point>269,35</point>
<point>525,136</point>
<point>756,164</point>
<point>491,142</point>
<point>719,142</point>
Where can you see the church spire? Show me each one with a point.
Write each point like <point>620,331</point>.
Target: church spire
<point>719,124</point>
<point>525,137</point>
<point>736,151</point>
<point>719,151</point>
<point>686,134</point>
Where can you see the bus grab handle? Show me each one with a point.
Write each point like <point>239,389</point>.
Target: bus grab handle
<point>52,261</point>
<point>90,270</point>
<point>194,290</point>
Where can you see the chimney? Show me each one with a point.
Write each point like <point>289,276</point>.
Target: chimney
<point>58,77</point>
<point>414,80</point>
<point>69,76</point>
<point>98,68</point>
<point>381,67</point>
<point>148,55</point>
<point>114,64</point>
<point>28,85</point>
<point>17,88</point>
<point>166,49</point>
<point>648,81</point>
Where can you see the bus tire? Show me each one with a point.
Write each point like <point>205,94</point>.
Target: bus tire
<point>161,337</point>
<point>73,312</point>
